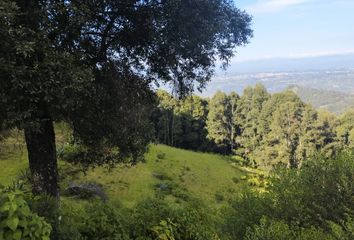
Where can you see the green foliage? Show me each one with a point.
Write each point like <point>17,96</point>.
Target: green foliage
<point>235,180</point>
<point>188,221</point>
<point>313,202</point>
<point>278,230</point>
<point>344,230</point>
<point>320,191</point>
<point>103,221</point>
<point>150,219</point>
<point>165,230</point>
<point>269,231</point>
<point>17,221</point>
<point>257,128</point>
<point>244,211</point>
<point>85,156</point>
<point>46,207</point>
<point>219,197</point>
<point>221,123</point>
<point>181,123</point>
<point>56,64</point>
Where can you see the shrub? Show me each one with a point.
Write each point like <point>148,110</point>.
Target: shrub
<point>17,221</point>
<point>155,218</point>
<point>321,191</point>
<point>71,220</point>
<point>343,231</point>
<point>235,180</point>
<point>161,155</point>
<point>243,177</point>
<point>165,230</point>
<point>103,221</point>
<point>90,156</point>
<point>268,230</point>
<point>246,210</point>
<point>314,202</point>
<point>279,230</point>
<point>254,182</point>
<point>161,176</point>
<point>239,160</point>
<point>219,197</point>
<point>45,206</point>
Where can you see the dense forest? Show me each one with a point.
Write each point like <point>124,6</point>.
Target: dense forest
<point>92,148</point>
<point>257,128</point>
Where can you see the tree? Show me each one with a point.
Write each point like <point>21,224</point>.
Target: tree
<point>164,118</point>
<point>286,128</point>
<point>251,104</point>
<point>221,124</point>
<point>192,114</point>
<point>326,125</point>
<point>182,122</point>
<point>345,130</point>
<point>91,63</point>
<point>309,136</point>
<point>273,117</point>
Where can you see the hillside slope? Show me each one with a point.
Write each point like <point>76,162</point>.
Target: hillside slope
<point>333,101</point>
<point>175,174</point>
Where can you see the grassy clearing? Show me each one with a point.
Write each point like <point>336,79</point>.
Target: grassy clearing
<point>171,173</point>
<point>13,158</point>
<point>182,173</point>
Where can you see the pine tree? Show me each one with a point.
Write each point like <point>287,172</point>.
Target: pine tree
<point>221,124</point>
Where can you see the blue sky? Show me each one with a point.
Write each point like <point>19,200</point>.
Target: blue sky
<point>298,28</point>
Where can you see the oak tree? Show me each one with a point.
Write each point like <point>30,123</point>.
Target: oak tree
<point>92,63</point>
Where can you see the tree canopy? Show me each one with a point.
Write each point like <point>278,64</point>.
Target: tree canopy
<point>257,128</point>
<point>92,63</point>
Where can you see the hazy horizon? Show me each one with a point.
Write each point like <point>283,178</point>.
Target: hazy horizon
<point>297,29</point>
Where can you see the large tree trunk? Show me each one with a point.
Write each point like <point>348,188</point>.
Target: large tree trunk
<point>42,157</point>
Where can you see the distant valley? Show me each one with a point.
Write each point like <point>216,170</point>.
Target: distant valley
<point>333,101</point>
<point>328,89</point>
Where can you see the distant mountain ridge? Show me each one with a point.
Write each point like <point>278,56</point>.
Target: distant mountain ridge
<point>328,89</point>
<point>333,101</point>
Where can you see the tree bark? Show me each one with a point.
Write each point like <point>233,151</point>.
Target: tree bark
<point>40,142</point>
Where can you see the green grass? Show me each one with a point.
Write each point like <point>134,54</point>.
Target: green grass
<point>199,175</point>
<point>209,177</point>
<point>10,169</point>
<point>13,161</point>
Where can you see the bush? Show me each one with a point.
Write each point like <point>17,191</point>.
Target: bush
<point>313,202</point>
<point>235,180</point>
<point>243,177</point>
<point>161,155</point>
<point>154,219</point>
<point>103,221</point>
<point>278,230</point>
<point>47,207</point>
<point>245,211</point>
<point>90,156</point>
<point>321,191</point>
<point>71,222</point>
<point>165,230</point>
<point>254,182</point>
<point>219,197</point>
<point>94,221</point>
<point>239,160</point>
<point>268,230</point>
<point>17,221</point>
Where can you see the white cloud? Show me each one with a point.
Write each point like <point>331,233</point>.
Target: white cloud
<point>263,6</point>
